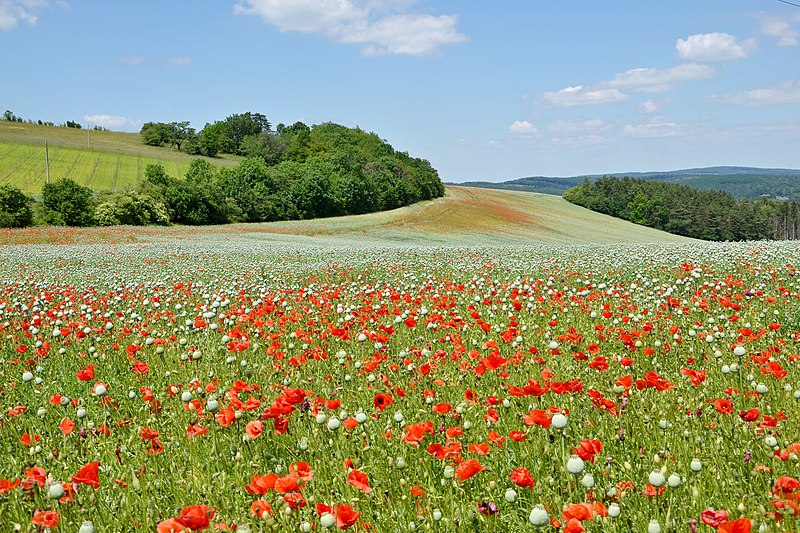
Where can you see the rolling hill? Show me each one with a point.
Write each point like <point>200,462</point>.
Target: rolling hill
<point>102,160</point>
<point>741,182</point>
<point>464,217</point>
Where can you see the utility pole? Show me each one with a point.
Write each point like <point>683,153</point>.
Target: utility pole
<point>47,161</point>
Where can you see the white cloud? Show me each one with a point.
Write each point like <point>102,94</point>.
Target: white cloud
<point>132,60</point>
<point>381,26</point>
<point>112,122</point>
<point>713,47</point>
<point>781,28</point>
<point>523,128</point>
<point>653,80</point>
<point>569,127</point>
<point>786,92</point>
<point>179,62</point>
<point>12,12</point>
<point>658,127</point>
<point>580,95</point>
<point>649,106</point>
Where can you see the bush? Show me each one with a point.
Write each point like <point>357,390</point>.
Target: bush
<point>15,208</point>
<point>71,201</point>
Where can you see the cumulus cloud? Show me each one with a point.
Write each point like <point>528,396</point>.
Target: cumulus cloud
<point>180,62</point>
<point>382,27</point>
<point>132,60</point>
<point>705,47</point>
<point>523,128</point>
<point>12,12</point>
<point>653,80</point>
<point>781,28</point>
<point>580,95</point>
<point>649,106</point>
<point>786,92</point>
<point>658,127</point>
<point>112,122</point>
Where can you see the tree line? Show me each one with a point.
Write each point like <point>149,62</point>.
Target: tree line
<point>682,210</point>
<point>322,171</point>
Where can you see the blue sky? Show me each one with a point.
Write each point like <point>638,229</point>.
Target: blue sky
<point>484,90</point>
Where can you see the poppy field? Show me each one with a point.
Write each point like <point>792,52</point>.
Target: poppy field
<point>243,385</point>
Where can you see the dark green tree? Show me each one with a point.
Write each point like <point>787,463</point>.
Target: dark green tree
<point>71,201</point>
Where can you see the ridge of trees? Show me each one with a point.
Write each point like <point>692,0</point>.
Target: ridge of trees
<point>297,172</point>
<point>683,210</point>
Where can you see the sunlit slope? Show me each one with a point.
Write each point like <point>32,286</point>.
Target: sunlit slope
<point>476,216</point>
<point>102,160</point>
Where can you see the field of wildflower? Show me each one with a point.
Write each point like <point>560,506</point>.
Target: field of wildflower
<point>239,385</point>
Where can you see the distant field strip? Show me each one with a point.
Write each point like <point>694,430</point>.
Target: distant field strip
<point>23,166</point>
<point>102,160</point>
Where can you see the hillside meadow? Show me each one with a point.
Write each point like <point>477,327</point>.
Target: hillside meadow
<point>102,160</point>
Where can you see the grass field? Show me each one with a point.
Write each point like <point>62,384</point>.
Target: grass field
<point>466,216</point>
<point>99,159</point>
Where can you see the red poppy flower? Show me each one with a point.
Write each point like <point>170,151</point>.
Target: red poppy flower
<point>7,485</point>
<point>346,516</point>
<point>261,484</point>
<point>359,480</point>
<point>260,508</point>
<point>517,435</point>
<point>196,517</point>
<point>382,401</point>
<point>723,406</point>
<point>467,469</point>
<point>294,500</point>
<point>521,477</point>
<point>578,511</point>
<point>86,373</point>
<point>88,475</point>
<point>742,525</point>
<point>442,408</point>
<point>48,519</point>
<point>66,426</point>
<point>254,428</point>
<point>751,415</point>
<point>302,470</point>
<point>713,518</point>
<point>573,526</point>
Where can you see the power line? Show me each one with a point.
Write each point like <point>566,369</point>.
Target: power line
<point>790,3</point>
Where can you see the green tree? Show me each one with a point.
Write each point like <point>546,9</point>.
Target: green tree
<point>71,201</point>
<point>15,208</point>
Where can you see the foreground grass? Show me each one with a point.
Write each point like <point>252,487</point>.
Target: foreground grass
<point>409,384</point>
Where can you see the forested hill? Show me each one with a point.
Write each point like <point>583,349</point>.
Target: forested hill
<point>292,172</point>
<point>682,210</point>
<point>741,182</point>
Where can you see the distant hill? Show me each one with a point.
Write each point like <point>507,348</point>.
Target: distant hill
<point>741,182</point>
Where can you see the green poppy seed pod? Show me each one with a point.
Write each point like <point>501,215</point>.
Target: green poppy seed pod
<point>653,527</point>
<point>559,421</point>
<point>212,406</point>
<point>739,351</point>
<point>613,510</point>
<point>674,480</point>
<point>575,465</point>
<point>587,481</point>
<point>539,517</point>
<point>656,478</point>
<point>86,527</point>
<point>55,491</point>
<point>511,495</point>
<point>327,520</point>
<point>437,514</point>
<point>696,465</point>
<point>27,376</point>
